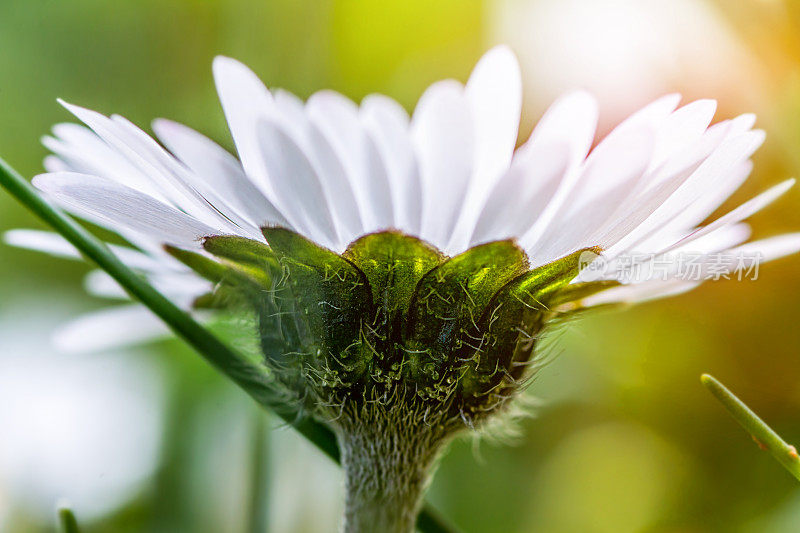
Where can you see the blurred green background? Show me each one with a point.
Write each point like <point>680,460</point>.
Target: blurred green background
<point>624,438</point>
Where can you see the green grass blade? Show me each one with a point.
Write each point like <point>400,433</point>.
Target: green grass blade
<point>246,374</point>
<point>765,436</point>
<point>66,520</point>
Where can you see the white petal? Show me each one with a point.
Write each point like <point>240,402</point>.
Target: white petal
<point>717,241</point>
<point>737,125</point>
<point>121,206</point>
<point>612,168</point>
<point>679,226</point>
<point>295,186</point>
<point>522,194</point>
<point>711,258</point>
<point>54,244</point>
<point>388,123</point>
<point>719,263</point>
<point>180,287</point>
<point>442,133</point>
<point>771,248</point>
<point>572,120</point>
<point>292,109</point>
<point>745,210</point>
<point>494,91</point>
<point>647,266</point>
<point>82,150</point>
<point>338,121</point>
<point>642,207</point>
<point>610,175</point>
<point>110,328</point>
<point>692,215</point>
<point>640,292</point>
<point>220,171</point>
<point>700,210</point>
<point>142,152</point>
<point>99,283</point>
<point>682,128</point>
<point>327,164</point>
<point>652,114</point>
<point>41,241</point>
<point>336,184</point>
<point>245,102</point>
<point>648,121</point>
<point>707,178</point>
<point>53,163</point>
<point>213,207</point>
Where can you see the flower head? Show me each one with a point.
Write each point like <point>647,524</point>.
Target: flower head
<point>411,260</point>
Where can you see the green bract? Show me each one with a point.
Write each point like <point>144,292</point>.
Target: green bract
<point>392,321</point>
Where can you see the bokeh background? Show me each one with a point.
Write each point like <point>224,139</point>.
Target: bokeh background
<point>624,438</point>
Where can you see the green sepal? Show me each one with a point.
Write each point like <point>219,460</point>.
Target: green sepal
<point>534,291</point>
<point>510,326</point>
<point>547,280</point>
<point>222,272</point>
<point>288,244</point>
<point>460,288</point>
<point>241,250</point>
<point>206,301</point>
<point>393,262</point>
<point>222,298</point>
<point>322,301</point>
<point>205,267</point>
<point>575,292</point>
<point>447,304</point>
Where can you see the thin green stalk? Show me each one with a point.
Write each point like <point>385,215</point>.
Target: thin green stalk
<point>66,520</point>
<point>248,375</point>
<point>765,436</point>
<point>259,478</point>
<point>166,510</point>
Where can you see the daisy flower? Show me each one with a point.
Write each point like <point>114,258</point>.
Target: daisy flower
<point>333,171</point>
<point>403,269</point>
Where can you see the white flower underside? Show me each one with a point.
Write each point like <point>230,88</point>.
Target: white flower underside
<point>333,170</point>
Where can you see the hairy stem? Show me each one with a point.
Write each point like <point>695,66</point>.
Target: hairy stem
<point>388,460</point>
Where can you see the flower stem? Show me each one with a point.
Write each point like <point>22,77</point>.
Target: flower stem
<point>389,453</point>
<point>246,374</point>
<point>765,436</point>
<point>385,479</point>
